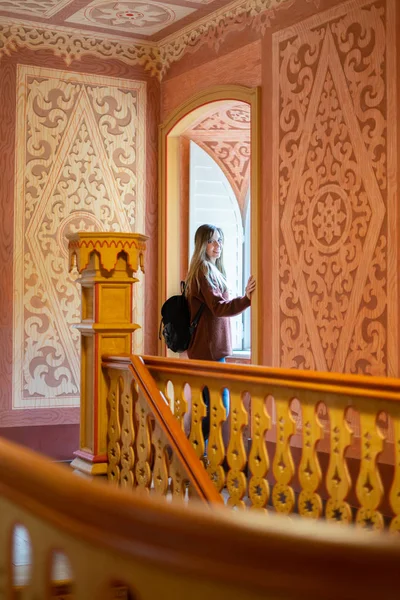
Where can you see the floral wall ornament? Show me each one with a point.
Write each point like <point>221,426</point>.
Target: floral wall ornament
<point>133,16</point>
<point>331,181</point>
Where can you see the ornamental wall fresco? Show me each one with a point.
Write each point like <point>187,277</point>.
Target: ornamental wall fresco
<point>334,211</point>
<point>225,135</point>
<point>80,166</point>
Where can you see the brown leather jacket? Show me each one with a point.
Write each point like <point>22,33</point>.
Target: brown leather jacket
<point>212,337</point>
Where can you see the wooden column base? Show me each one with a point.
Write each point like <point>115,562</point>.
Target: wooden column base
<point>88,465</point>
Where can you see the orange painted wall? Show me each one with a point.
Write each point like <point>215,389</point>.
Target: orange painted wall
<point>329,287</point>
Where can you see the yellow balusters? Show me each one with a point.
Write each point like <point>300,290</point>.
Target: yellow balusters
<point>165,386</point>
<point>114,428</point>
<point>338,479</point>
<point>199,411</point>
<point>395,490</point>
<point>160,468</point>
<point>258,457</point>
<point>236,479</point>
<point>178,480</point>
<point>143,446</point>
<point>215,448</point>
<point>310,503</point>
<point>181,405</point>
<point>127,434</point>
<point>283,467</point>
<point>369,486</point>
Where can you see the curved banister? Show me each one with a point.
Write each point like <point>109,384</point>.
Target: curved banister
<point>262,557</point>
<point>177,440</point>
<point>356,385</point>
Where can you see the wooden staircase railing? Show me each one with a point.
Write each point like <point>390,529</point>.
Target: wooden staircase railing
<point>128,545</point>
<point>147,448</point>
<point>296,440</point>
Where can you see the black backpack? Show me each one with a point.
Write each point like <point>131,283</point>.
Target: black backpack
<point>175,326</point>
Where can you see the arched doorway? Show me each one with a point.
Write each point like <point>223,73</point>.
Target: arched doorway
<point>173,208</point>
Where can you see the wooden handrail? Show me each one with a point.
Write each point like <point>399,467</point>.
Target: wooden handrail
<point>280,423</point>
<point>356,385</point>
<point>177,440</point>
<point>272,556</point>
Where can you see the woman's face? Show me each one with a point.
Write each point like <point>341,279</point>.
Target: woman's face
<point>214,247</point>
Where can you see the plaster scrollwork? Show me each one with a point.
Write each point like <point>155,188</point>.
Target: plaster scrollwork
<point>214,29</point>
<point>234,157</point>
<point>332,191</point>
<point>225,136</point>
<point>364,71</point>
<point>72,47</point>
<point>80,146</point>
<point>236,117</point>
<point>155,58</point>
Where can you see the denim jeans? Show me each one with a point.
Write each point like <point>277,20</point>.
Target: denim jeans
<point>206,398</point>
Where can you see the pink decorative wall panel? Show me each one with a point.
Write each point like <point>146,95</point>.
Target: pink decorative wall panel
<point>80,152</point>
<point>334,217</point>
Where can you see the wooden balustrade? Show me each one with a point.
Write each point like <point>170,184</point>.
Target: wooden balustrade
<point>147,448</point>
<point>320,462</point>
<point>125,545</point>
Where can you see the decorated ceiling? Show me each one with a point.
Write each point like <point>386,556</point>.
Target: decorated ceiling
<point>133,18</point>
<point>152,34</point>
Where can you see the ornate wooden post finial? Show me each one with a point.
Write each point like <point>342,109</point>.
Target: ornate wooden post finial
<point>107,262</point>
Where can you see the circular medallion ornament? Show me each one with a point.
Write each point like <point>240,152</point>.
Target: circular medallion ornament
<point>131,15</point>
<point>329,218</point>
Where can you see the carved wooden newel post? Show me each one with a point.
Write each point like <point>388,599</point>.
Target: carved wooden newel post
<point>107,263</point>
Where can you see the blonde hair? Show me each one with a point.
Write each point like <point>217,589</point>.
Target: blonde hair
<point>200,263</point>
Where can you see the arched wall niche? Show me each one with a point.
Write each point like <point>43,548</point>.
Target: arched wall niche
<point>171,245</point>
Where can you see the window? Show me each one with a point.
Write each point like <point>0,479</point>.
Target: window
<point>212,200</point>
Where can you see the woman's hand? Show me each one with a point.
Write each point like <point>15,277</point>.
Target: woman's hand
<point>250,287</point>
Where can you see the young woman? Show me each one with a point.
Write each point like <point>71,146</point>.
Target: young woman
<point>206,284</point>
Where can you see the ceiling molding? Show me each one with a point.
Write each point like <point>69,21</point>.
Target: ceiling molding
<point>156,58</point>
<point>214,28</point>
<point>71,46</point>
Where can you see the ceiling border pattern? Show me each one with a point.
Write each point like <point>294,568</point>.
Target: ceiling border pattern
<point>72,47</point>
<point>155,58</point>
<point>214,28</point>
